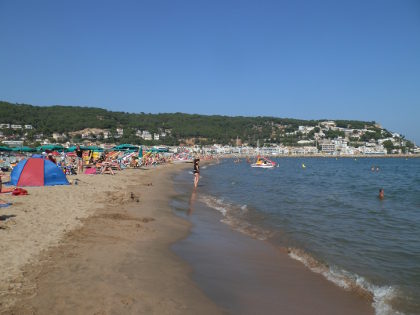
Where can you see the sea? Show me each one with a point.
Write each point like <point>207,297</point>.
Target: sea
<point>327,214</point>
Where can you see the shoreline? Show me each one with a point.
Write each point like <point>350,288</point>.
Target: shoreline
<point>329,156</point>
<point>118,260</point>
<point>79,275</point>
<point>245,275</point>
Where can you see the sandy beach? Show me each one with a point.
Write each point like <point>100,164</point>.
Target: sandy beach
<point>98,247</point>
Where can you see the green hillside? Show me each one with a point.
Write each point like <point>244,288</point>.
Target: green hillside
<point>205,128</point>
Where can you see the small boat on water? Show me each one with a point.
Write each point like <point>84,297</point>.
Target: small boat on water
<point>263,163</point>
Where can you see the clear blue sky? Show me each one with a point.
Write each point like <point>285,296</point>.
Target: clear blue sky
<point>355,59</point>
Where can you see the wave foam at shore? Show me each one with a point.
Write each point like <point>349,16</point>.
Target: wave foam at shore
<point>381,295</point>
<point>237,216</point>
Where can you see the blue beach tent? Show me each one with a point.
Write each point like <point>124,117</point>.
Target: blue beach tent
<point>37,171</point>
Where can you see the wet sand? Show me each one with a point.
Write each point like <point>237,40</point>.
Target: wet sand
<point>249,276</point>
<point>117,262</point>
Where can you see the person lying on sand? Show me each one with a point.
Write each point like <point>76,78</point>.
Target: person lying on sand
<point>3,203</point>
<point>106,168</point>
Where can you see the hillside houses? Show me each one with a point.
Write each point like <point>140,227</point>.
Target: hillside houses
<point>341,138</point>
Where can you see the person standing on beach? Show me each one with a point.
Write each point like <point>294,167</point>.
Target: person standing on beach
<point>196,172</point>
<point>79,157</point>
<point>2,202</point>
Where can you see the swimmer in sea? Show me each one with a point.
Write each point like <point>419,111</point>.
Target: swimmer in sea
<point>381,194</point>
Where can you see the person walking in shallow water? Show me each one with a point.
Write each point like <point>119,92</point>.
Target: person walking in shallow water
<point>196,172</point>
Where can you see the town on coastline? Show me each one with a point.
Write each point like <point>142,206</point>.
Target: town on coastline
<point>324,139</point>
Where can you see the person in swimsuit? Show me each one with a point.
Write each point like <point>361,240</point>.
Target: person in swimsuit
<point>79,155</point>
<point>381,194</point>
<point>196,172</point>
<point>1,183</point>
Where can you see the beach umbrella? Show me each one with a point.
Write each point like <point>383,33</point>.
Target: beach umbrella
<point>73,148</point>
<point>125,146</point>
<point>24,149</point>
<point>50,147</point>
<point>95,148</point>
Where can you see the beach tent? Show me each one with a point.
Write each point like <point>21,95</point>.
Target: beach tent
<point>37,171</point>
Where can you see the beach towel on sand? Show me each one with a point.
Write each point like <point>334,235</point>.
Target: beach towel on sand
<point>90,171</point>
<point>4,205</point>
<point>19,192</point>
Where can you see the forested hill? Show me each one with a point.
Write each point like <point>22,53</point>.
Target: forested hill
<point>215,128</point>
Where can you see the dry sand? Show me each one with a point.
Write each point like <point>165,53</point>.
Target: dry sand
<point>99,247</point>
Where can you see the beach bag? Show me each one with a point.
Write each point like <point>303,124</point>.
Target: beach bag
<point>90,171</point>
<point>19,192</point>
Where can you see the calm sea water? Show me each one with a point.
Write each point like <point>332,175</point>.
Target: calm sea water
<point>330,217</point>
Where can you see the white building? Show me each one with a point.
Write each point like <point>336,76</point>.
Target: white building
<point>59,136</point>
<point>269,151</point>
<point>4,126</point>
<point>120,131</point>
<point>156,136</point>
<point>106,134</point>
<point>16,127</point>
<point>29,127</point>
<point>328,124</point>
<point>146,135</point>
<point>13,143</point>
<point>327,147</point>
<point>373,149</point>
<point>85,135</point>
<point>303,142</point>
<point>305,129</point>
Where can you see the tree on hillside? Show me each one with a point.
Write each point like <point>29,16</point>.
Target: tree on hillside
<point>388,145</point>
